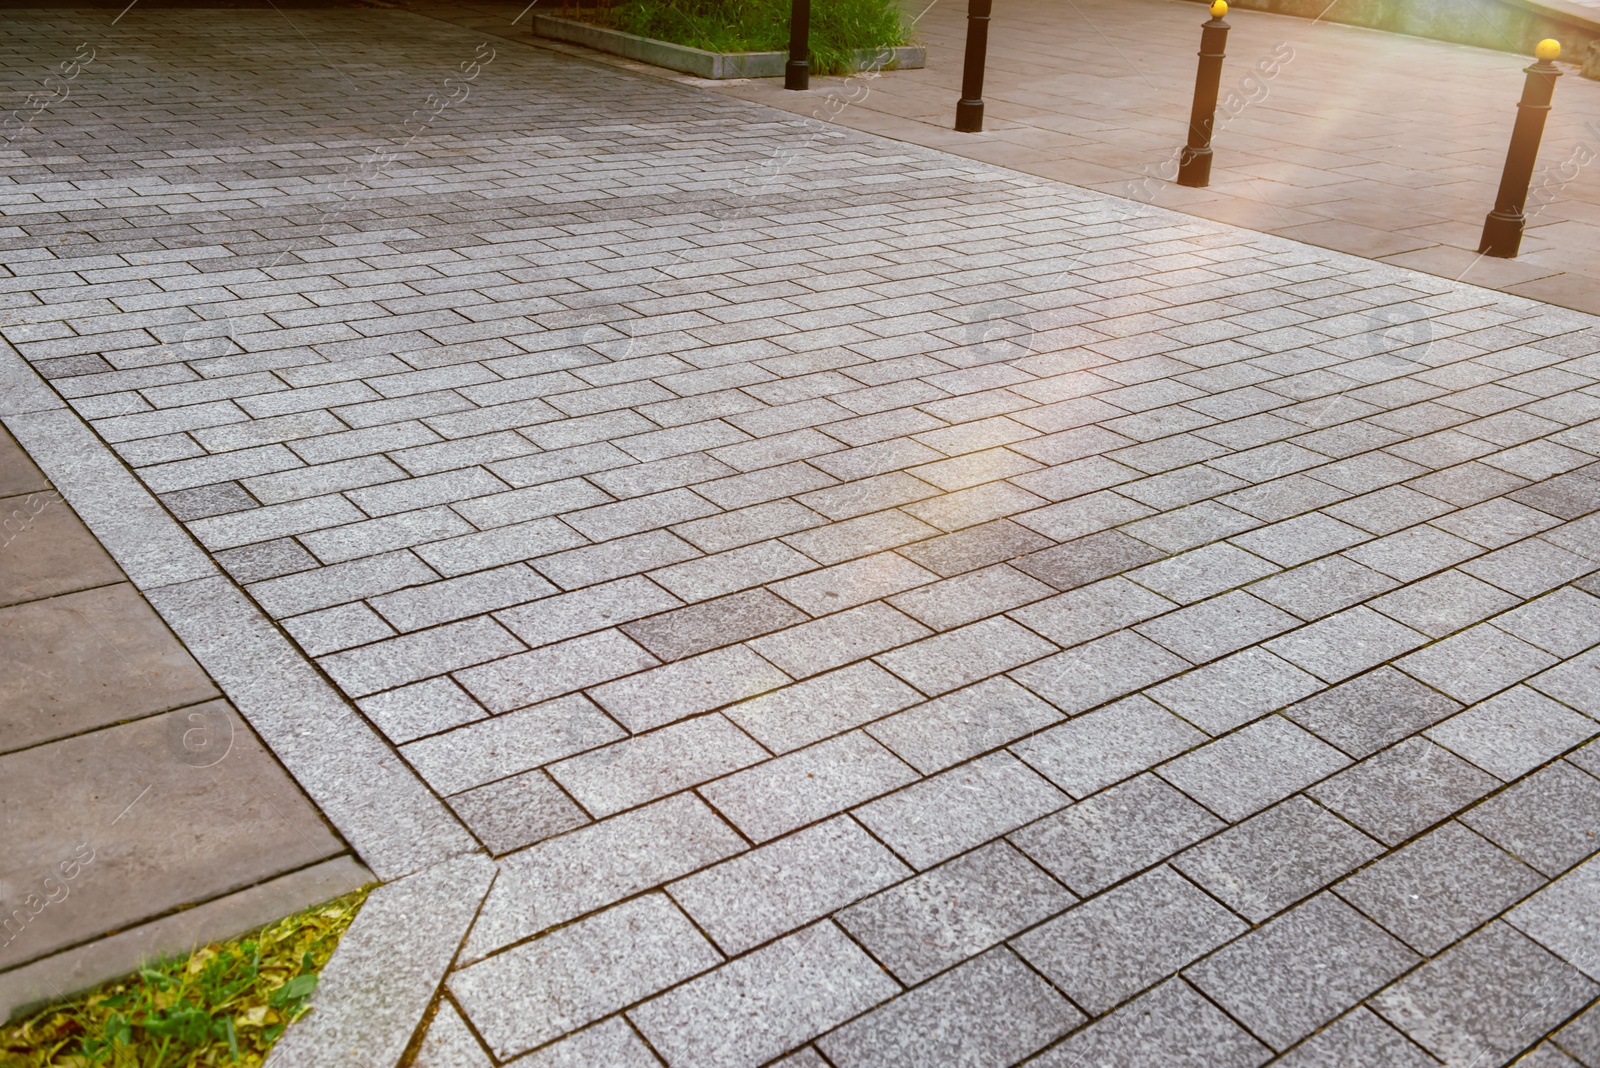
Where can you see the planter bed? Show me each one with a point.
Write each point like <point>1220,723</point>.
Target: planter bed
<point>703,64</point>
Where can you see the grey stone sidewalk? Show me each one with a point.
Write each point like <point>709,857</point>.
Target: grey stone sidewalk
<point>876,608</point>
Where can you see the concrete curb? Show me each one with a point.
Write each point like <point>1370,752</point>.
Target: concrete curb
<point>703,64</point>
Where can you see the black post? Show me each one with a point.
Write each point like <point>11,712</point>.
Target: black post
<point>1194,165</point>
<point>797,72</point>
<point>1502,230</point>
<point>969,109</point>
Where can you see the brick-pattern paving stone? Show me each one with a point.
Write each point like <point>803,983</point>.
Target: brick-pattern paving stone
<point>965,568</point>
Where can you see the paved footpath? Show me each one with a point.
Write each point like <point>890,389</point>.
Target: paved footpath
<point>757,591</point>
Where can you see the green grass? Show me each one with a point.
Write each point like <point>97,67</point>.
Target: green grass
<point>838,27</point>
<point>225,1004</point>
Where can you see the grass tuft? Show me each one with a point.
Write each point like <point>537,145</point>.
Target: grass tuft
<point>224,1004</point>
<point>838,27</point>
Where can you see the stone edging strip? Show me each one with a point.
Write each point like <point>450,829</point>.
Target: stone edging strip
<point>389,965</point>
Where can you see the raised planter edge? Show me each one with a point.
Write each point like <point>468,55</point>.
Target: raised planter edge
<point>697,61</point>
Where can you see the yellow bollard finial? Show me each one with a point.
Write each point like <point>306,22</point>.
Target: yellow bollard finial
<point>1219,8</point>
<point>1547,49</point>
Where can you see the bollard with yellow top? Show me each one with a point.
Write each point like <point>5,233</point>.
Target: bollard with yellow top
<point>1194,165</point>
<point>1502,230</point>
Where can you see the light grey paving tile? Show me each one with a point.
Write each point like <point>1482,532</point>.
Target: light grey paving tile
<point>697,628</point>
<point>1241,773</point>
<point>1287,979</point>
<point>1093,751</point>
<point>1115,833</point>
<point>338,628</point>
<point>1496,522</point>
<point>991,1011</point>
<point>846,585</point>
<point>1345,644</point>
<point>1550,820</point>
<point>1402,790</point>
<point>954,911</point>
<point>647,766</point>
<point>273,521</point>
<point>1235,690</point>
<point>499,509</point>
<point>936,818</point>
<point>635,515</point>
<point>1191,526</point>
<point>1322,587</point>
<point>1485,999</point>
<point>861,536</point>
<point>823,705</point>
<point>596,865</point>
<point>444,488</point>
<point>611,1042</point>
<point>1087,559</point>
<point>412,657</point>
<point>319,479</point>
<point>736,569</point>
<point>1169,1027</point>
<point>1530,567</point>
<point>1356,1039</point>
<point>970,597</point>
<point>380,536</point>
<point>1100,671</point>
<point>1409,554</point>
<point>699,684</point>
<point>490,749</point>
<point>1438,888</point>
<point>1581,1037</point>
<point>807,785</point>
<point>934,735</point>
<point>561,463</point>
<point>1202,573</point>
<point>1476,663</point>
<point>1575,682</point>
<point>1511,734</point>
<point>1296,541</point>
<point>745,526</point>
<point>957,658</point>
<point>422,708</point>
<point>786,884</point>
<point>504,545</point>
<point>835,640</point>
<point>1444,603</point>
<point>1565,622</point>
<point>554,670</point>
<point>1115,945</point>
<point>571,977</point>
<point>1091,611</point>
<point>756,1007</point>
<point>511,813</point>
<point>1276,857</point>
<point>593,564</point>
<point>1217,627</point>
<point>468,595</point>
<point>568,615</point>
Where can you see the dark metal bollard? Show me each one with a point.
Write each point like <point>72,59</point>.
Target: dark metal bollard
<point>1194,165</point>
<point>1502,230</point>
<point>969,109</point>
<point>797,72</point>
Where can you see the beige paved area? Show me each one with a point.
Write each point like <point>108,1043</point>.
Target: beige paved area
<point>139,813</point>
<point>766,593</point>
<point>1361,141</point>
